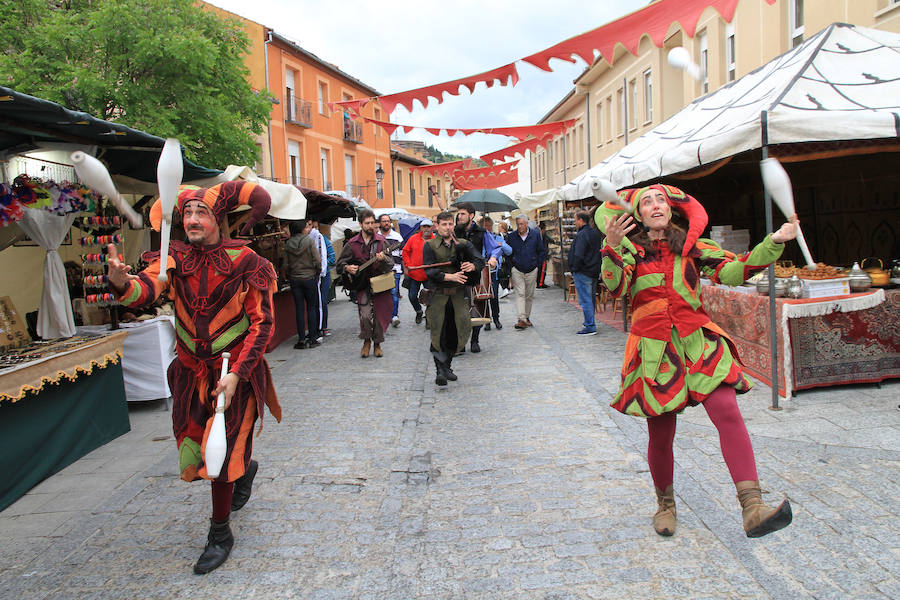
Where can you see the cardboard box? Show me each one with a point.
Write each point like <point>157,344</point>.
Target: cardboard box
<point>822,288</point>
<point>13,331</point>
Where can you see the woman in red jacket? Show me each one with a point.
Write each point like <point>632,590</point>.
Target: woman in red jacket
<point>412,257</point>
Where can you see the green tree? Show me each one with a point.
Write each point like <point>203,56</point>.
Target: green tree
<point>167,67</point>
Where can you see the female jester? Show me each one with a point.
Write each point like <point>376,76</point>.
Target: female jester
<point>675,356</point>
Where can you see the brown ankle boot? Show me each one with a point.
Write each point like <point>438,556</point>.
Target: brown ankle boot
<point>760,519</point>
<point>364,353</point>
<point>377,351</point>
<point>664,519</point>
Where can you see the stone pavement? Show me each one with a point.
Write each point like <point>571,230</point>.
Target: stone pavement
<point>517,481</point>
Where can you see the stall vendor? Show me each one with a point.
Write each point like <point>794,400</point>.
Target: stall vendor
<point>675,356</point>
<point>223,303</point>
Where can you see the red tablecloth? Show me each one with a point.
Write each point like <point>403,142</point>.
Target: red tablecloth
<point>745,317</point>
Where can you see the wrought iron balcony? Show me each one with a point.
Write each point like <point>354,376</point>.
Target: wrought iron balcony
<point>353,131</point>
<point>298,111</point>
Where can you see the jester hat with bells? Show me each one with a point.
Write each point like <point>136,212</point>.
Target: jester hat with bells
<point>685,204</point>
<point>221,199</point>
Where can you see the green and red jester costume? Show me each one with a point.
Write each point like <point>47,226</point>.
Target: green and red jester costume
<point>675,356</point>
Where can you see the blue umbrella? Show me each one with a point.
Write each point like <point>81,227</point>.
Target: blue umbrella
<point>409,226</point>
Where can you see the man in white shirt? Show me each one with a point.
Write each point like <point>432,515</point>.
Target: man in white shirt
<point>384,224</point>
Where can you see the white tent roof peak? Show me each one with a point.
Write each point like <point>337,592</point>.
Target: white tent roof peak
<point>841,84</point>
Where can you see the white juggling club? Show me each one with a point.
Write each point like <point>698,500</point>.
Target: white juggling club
<point>680,58</point>
<point>778,185</point>
<point>215,443</point>
<point>169,172</point>
<point>93,174</point>
<point>604,191</point>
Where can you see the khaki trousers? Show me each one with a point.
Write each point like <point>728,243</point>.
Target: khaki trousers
<point>523,286</point>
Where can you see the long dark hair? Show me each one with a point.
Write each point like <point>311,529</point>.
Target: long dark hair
<point>675,237</point>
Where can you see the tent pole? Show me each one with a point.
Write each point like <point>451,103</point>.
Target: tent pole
<point>773,334</point>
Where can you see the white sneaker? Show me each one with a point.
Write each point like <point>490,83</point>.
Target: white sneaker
<point>395,321</point>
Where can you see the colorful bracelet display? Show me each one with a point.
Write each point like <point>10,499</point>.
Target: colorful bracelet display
<point>105,298</point>
<point>102,221</point>
<point>95,280</point>
<point>93,240</point>
<point>97,258</point>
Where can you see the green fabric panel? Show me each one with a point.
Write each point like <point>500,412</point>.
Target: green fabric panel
<point>45,432</point>
<point>651,352</point>
<point>185,337</point>
<point>134,295</point>
<point>233,253</point>
<point>679,285</point>
<point>230,334</point>
<point>189,454</point>
<point>646,281</point>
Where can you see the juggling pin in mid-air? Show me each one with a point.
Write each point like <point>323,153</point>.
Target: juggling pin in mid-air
<point>169,171</point>
<point>216,447</point>
<point>93,174</point>
<point>603,190</point>
<point>778,185</point>
<point>680,58</point>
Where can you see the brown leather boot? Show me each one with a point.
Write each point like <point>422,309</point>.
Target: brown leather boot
<point>760,519</point>
<point>364,353</point>
<point>378,351</point>
<point>664,519</point>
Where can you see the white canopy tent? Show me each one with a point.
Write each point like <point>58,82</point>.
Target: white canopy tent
<point>841,84</point>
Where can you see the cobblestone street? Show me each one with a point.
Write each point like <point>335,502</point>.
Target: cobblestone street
<point>517,481</point>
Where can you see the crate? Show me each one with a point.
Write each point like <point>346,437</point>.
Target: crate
<point>821,288</point>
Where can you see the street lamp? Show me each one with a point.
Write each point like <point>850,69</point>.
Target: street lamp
<point>379,177</point>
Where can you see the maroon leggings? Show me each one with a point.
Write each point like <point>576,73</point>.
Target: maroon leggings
<point>221,500</point>
<point>722,408</point>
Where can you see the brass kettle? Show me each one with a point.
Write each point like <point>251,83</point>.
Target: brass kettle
<point>879,276</point>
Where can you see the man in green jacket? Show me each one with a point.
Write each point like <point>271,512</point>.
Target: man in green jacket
<point>448,312</point>
<point>303,266</point>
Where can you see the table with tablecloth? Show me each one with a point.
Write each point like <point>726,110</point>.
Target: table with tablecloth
<point>821,341</point>
<point>56,407</point>
<point>147,353</point>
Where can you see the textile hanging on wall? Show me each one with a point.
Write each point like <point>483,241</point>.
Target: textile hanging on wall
<point>55,318</point>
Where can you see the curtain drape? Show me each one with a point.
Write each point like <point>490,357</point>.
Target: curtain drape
<point>55,318</point>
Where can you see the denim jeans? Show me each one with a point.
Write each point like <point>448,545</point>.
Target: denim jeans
<point>306,305</point>
<point>414,287</point>
<point>586,288</point>
<point>396,292</point>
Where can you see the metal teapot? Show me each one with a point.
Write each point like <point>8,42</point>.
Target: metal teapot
<point>762,285</point>
<point>879,276</point>
<point>859,279</point>
<point>795,287</point>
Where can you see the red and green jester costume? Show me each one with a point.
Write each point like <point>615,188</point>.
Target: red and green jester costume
<point>223,303</point>
<point>675,356</point>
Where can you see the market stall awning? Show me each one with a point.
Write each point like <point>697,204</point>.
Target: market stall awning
<point>841,85</point>
<point>27,121</point>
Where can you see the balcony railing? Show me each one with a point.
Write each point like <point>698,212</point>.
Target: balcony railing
<point>302,182</point>
<point>298,111</point>
<point>353,131</point>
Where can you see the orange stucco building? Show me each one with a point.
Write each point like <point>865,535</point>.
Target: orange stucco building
<point>307,143</point>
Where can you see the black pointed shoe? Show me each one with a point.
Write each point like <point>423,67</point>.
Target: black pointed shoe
<point>218,546</point>
<point>243,487</point>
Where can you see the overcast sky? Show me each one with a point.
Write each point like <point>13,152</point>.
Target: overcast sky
<point>399,45</point>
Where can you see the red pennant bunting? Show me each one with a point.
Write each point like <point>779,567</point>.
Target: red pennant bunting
<point>522,131</point>
<point>654,20</point>
<point>491,182</point>
<point>486,171</point>
<point>503,75</point>
<point>444,169</point>
<point>516,149</point>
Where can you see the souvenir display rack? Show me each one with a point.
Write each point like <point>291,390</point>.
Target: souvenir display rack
<point>95,280</point>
